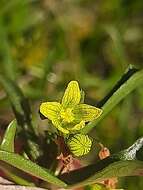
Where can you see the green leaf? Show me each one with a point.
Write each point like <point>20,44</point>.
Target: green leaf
<point>117,165</point>
<point>21,109</point>
<point>30,167</point>
<point>8,145</point>
<point>9,136</point>
<point>11,175</point>
<point>19,102</point>
<point>101,171</point>
<point>129,82</point>
<point>7,66</point>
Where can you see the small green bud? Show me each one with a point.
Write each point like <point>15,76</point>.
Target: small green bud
<point>79,144</point>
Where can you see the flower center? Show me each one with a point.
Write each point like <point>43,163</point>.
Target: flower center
<point>67,115</point>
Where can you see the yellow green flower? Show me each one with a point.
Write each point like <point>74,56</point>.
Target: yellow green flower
<point>70,115</point>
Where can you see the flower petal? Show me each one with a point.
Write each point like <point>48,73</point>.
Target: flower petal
<point>72,95</point>
<point>51,110</point>
<point>86,112</point>
<point>58,125</point>
<point>78,126</point>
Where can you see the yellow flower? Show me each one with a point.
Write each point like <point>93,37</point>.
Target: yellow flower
<point>70,115</point>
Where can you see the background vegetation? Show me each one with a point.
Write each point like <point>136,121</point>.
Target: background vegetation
<point>47,43</point>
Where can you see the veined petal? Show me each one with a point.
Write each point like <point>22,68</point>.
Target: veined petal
<point>78,126</point>
<point>58,125</point>
<point>72,95</point>
<point>51,110</point>
<point>86,112</point>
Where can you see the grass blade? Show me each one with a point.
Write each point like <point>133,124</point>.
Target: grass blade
<point>30,167</point>
<point>14,177</point>
<point>9,136</point>
<point>120,164</point>
<point>135,80</point>
<point>95,173</point>
<point>19,102</point>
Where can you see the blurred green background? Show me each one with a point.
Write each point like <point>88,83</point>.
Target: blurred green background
<point>46,43</point>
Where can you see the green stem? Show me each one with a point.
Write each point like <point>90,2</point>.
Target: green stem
<point>131,84</point>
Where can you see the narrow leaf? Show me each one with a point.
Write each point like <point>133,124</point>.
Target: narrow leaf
<point>30,167</point>
<point>14,177</point>
<point>21,109</point>
<point>8,145</point>
<point>130,81</point>
<point>9,136</point>
<point>95,173</point>
<point>120,164</point>
<point>19,102</point>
